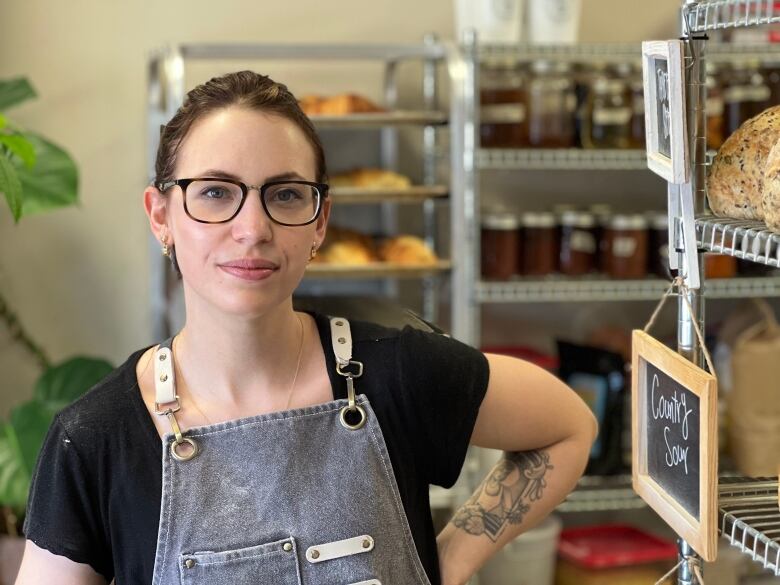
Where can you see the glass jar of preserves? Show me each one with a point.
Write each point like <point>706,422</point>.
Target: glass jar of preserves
<point>658,248</point>
<point>500,244</point>
<point>540,243</point>
<point>578,243</point>
<point>636,87</point>
<point>551,105</point>
<point>625,246</point>
<point>715,108</point>
<point>503,114</point>
<point>719,266</point>
<point>602,212</point>
<point>609,113</point>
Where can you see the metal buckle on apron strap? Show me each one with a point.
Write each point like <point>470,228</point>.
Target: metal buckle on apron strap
<point>342,348</point>
<point>165,388</point>
<point>353,406</point>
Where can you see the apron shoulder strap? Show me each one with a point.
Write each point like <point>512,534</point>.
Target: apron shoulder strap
<point>164,382</point>
<point>341,338</point>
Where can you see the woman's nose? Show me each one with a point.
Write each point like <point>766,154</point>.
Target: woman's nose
<point>252,222</point>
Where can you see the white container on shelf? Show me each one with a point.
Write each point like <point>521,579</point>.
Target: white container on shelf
<point>495,21</point>
<point>527,560</point>
<point>554,21</point>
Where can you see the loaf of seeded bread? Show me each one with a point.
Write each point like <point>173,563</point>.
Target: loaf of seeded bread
<point>771,199</point>
<point>736,179</point>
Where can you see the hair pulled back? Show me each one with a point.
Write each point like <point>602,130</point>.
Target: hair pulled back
<point>242,88</point>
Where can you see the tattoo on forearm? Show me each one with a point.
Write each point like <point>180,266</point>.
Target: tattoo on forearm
<point>506,494</point>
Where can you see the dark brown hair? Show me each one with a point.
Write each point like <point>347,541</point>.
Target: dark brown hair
<point>242,88</point>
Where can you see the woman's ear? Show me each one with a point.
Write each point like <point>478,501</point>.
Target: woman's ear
<point>322,221</point>
<point>156,207</point>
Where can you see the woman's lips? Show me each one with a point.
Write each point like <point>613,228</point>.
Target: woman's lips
<point>253,274</point>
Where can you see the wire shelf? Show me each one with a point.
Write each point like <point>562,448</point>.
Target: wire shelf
<point>708,15</point>
<point>750,518</point>
<point>602,493</point>
<point>559,289</point>
<point>574,159</point>
<point>415,194</point>
<point>380,119</point>
<point>747,240</point>
<point>377,270</point>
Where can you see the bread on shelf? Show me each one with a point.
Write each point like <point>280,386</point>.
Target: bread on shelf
<point>736,178</point>
<point>338,105</point>
<point>370,179</point>
<point>771,196</point>
<point>407,251</point>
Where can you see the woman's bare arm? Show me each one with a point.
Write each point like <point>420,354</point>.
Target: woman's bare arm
<point>546,432</point>
<point>41,567</point>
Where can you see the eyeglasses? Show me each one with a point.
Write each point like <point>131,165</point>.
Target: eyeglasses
<point>214,200</point>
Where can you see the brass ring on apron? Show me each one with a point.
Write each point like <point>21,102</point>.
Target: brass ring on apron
<point>181,440</point>
<point>187,456</point>
<point>346,424</point>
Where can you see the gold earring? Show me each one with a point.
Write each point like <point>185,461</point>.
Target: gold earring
<point>313,252</point>
<point>166,251</point>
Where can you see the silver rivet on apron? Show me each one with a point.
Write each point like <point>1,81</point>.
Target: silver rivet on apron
<point>339,323</point>
<point>163,378</point>
<point>287,547</point>
<point>162,357</point>
<point>342,340</point>
<point>315,554</point>
<point>366,543</point>
<point>189,563</point>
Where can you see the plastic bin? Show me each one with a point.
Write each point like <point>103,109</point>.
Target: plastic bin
<point>527,560</point>
<point>613,555</point>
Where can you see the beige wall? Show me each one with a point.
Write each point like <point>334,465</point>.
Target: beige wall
<point>78,277</point>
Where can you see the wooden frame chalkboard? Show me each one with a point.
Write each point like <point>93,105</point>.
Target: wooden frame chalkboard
<point>665,120</point>
<point>674,422</point>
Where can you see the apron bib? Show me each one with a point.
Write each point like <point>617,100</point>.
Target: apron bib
<point>301,497</point>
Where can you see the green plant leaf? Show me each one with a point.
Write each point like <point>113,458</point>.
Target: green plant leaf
<point>30,422</point>
<point>15,91</point>
<point>19,145</point>
<point>11,186</point>
<point>3,121</point>
<point>62,384</point>
<point>14,478</point>
<point>52,182</point>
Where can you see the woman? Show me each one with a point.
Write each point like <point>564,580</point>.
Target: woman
<point>295,448</point>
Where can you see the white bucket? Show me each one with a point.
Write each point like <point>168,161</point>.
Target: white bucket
<point>527,560</point>
<point>495,21</point>
<point>554,21</point>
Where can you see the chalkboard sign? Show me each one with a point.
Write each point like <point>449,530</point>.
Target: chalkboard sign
<point>665,120</point>
<point>674,440</point>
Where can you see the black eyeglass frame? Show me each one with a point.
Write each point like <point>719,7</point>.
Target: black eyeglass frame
<point>322,190</point>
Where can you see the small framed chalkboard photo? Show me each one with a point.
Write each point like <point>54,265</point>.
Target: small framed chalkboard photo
<point>674,422</point>
<point>665,126</point>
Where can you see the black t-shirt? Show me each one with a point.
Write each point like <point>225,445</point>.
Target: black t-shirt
<point>95,495</point>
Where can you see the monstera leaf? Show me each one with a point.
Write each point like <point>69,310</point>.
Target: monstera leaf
<point>22,438</point>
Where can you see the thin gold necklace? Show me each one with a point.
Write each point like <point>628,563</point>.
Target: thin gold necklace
<point>292,386</point>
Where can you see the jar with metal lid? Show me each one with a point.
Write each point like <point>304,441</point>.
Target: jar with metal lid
<point>609,113</point>
<point>636,87</point>
<point>540,243</point>
<point>551,105</point>
<point>503,97</point>
<point>625,246</point>
<point>658,249</point>
<point>714,108</point>
<point>500,241</point>
<point>578,243</point>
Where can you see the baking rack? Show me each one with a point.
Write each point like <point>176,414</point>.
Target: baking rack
<point>750,518</point>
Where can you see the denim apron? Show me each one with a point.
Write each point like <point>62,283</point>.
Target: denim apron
<point>300,497</point>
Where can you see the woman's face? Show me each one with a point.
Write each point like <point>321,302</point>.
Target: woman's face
<point>254,148</point>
